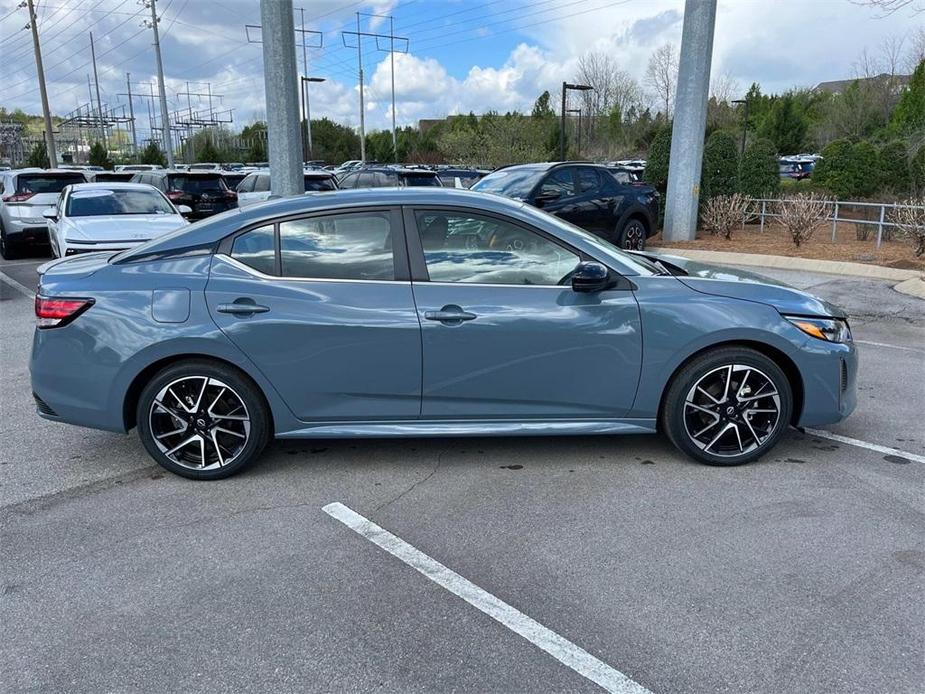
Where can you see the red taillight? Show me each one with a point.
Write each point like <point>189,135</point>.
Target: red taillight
<point>52,313</point>
<point>19,197</point>
<point>231,195</point>
<point>175,195</point>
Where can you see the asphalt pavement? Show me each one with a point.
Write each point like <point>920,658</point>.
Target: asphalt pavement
<point>802,572</point>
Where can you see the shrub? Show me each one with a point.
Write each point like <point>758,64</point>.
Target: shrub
<point>153,154</point>
<point>836,171</point>
<point>656,171</point>
<point>917,172</point>
<point>758,174</point>
<point>720,172</point>
<point>38,156</point>
<point>910,222</point>
<point>722,212</point>
<point>895,172</point>
<point>802,214</point>
<point>99,156</point>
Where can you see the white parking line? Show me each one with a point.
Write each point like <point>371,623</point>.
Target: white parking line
<point>884,344</point>
<point>558,647</point>
<point>865,444</point>
<point>18,286</point>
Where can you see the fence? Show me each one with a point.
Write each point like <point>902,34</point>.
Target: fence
<point>768,206</point>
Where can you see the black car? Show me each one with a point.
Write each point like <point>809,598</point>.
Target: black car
<point>110,176</point>
<point>388,177</point>
<point>587,195</point>
<point>204,192</point>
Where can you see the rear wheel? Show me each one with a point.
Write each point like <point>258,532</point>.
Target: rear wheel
<point>202,420</point>
<point>728,406</point>
<point>632,236</point>
<point>8,249</point>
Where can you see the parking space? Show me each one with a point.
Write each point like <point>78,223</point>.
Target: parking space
<point>801,572</point>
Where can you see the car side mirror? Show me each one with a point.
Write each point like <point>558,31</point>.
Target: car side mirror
<point>184,209</point>
<point>50,214</point>
<point>590,276</point>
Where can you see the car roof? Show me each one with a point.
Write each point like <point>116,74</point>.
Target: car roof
<point>112,185</point>
<point>33,169</point>
<point>184,172</point>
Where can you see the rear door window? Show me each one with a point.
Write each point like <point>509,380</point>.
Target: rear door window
<point>588,181</point>
<point>559,181</point>
<point>262,184</point>
<point>257,249</point>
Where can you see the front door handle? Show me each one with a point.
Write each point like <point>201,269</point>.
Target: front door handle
<point>450,315</point>
<point>242,307</point>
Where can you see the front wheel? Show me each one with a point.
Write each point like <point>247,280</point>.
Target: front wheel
<point>632,236</point>
<point>727,407</point>
<point>202,420</point>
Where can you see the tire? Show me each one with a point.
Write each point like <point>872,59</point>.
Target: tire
<point>632,236</point>
<point>697,396</point>
<point>8,249</point>
<point>226,422</point>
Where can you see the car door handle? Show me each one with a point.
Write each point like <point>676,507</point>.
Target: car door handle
<point>450,314</point>
<point>242,308</point>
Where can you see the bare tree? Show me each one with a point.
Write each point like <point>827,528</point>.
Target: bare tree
<point>916,51</point>
<point>909,218</point>
<point>723,212</point>
<point>662,76</point>
<point>888,7</point>
<point>802,214</point>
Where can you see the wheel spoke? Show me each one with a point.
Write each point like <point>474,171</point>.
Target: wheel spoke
<point>172,413</point>
<point>701,390</point>
<point>735,428</point>
<point>706,428</point>
<point>229,431</point>
<point>205,384</point>
<point>202,450</point>
<point>703,409</point>
<point>757,410</point>
<point>752,431</point>
<point>214,402</point>
<point>170,433</point>
<point>186,442</point>
<point>748,372</point>
<point>757,397</point>
<point>218,450</point>
<point>716,438</point>
<point>179,400</point>
<point>728,382</point>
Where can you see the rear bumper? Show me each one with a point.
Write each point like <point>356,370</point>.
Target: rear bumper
<point>20,232</point>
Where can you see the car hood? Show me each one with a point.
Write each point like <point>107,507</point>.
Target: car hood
<point>749,286</point>
<point>122,227</point>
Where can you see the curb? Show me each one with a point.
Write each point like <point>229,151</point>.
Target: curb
<point>913,287</point>
<point>834,267</point>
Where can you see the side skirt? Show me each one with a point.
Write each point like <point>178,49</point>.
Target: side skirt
<point>451,427</point>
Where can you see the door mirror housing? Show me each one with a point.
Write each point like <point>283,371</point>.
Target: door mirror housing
<point>51,214</point>
<point>590,276</point>
<point>184,209</point>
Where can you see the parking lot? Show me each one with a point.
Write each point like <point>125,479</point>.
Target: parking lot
<point>802,572</point>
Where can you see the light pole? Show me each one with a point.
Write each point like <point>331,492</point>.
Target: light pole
<point>566,87</point>
<point>308,113</point>
<point>744,123</point>
<point>578,111</point>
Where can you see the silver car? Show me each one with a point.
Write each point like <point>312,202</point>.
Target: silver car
<point>25,194</point>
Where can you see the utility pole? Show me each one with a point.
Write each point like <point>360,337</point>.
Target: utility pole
<point>392,57</point>
<point>40,69</point>
<point>306,143</point>
<point>131,113</point>
<point>565,88</point>
<point>683,195</point>
<point>280,72</point>
<point>99,103</point>
<point>362,110</point>
<point>165,119</point>
<point>744,102</point>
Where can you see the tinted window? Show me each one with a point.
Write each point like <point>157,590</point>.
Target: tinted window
<point>588,180</point>
<point>198,184</point>
<point>421,180</point>
<point>384,180</point>
<point>559,181</point>
<point>348,181</point>
<point>262,184</point>
<point>247,185</point>
<point>95,201</point>
<point>470,248</point>
<point>513,183</point>
<point>257,249</point>
<point>315,183</point>
<point>347,247</point>
<point>366,179</point>
<point>46,183</point>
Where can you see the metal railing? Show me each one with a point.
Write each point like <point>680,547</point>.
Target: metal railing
<point>765,208</point>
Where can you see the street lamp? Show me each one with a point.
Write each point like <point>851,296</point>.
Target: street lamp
<point>744,123</point>
<point>308,116</point>
<point>578,111</point>
<point>566,87</point>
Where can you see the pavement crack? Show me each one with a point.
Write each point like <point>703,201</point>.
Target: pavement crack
<point>413,486</point>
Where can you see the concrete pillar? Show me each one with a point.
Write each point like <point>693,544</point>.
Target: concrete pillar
<point>690,120</point>
<point>281,80</point>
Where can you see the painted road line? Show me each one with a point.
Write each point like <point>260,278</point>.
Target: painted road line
<point>557,646</point>
<point>865,444</point>
<point>18,286</point>
<point>884,344</point>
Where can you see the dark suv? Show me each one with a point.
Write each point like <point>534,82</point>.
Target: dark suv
<point>388,177</point>
<point>204,192</point>
<point>589,196</point>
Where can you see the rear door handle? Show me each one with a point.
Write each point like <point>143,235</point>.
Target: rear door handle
<point>452,315</point>
<point>242,307</point>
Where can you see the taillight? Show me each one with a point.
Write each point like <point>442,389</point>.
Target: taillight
<point>18,197</point>
<point>55,312</point>
<point>175,195</point>
<point>231,195</point>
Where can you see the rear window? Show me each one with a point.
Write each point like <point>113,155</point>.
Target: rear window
<point>198,184</point>
<point>314,183</point>
<point>420,180</point>
<point>46,183</point>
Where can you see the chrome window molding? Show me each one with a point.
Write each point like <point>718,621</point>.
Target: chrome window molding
<point>276,278</point>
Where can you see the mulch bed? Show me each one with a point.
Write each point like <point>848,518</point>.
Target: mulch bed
<point>774,240</point>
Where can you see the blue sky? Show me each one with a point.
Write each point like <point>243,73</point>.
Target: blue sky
<point>464,55</point>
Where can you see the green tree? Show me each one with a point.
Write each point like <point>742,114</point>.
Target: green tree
<point>758,173</point>
<point>99,156</point>
<point>541,107</point>
<point>38,156</point>
<point>254,138</point>
<point>206,151</point>
<point>153,154</point>
<point>895,173</point>
<point>785,124</point>
<point>333,142</point>
<point>656,172</point>
<point>720,171</point>
<point>917,171</point>
<point>848,170</point>
<point>909,114</point>
<point>865,159</point>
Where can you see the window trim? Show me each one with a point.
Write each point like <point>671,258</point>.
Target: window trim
<point>571,168</point>
<point>402,272</point>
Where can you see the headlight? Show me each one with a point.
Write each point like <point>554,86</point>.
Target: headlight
<point>828,329</point>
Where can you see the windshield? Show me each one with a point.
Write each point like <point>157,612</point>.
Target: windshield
<point>314,183</point>
<point>198,184</point>
<point>46,183</point>
<point>512,183</point>
<point>97,202</point>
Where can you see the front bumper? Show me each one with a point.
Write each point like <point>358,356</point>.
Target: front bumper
<point>830,382</point>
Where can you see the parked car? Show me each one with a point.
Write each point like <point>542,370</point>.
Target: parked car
<point>24,196</point>
<point>256,186</point>
<point>204,192</point>
<point>385,176</point>
<point>232,166</point>
<point>625,174</point>
<point>422,312</point>
<point>233,178</point>
<point>459,177</point>
<point>138,167</point>
<point>587,195</point>
<point>111,176</point>
<point>797,169</point>
<point>205,166</point>
<point>92,217</point>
